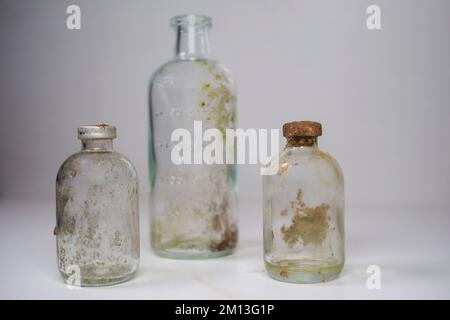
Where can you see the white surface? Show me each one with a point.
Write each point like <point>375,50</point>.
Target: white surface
<point>409,244</point>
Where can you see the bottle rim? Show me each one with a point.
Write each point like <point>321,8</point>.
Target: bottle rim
<point>98,131</point>
<point>191,20</point>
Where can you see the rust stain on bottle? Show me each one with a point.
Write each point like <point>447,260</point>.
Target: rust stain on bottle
<point>221,221</point>
<point>284,273</point>
<point>308,224</point>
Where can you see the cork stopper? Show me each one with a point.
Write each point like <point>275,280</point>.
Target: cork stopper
<point>302,129</point>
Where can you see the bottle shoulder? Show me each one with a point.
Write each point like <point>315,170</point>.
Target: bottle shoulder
<point>175,69</point>
<point>184,63</point>
<point>308,158</point>
<point>82,162</point>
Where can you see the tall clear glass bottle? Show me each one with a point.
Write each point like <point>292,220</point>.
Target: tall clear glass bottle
<point>97,214</point>
<point>193,207</point>
<point>304,210</point>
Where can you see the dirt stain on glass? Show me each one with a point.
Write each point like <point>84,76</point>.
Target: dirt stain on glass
<point>309,224</point>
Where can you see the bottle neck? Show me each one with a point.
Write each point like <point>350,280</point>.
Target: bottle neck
<point>192,42</point>
<point>97,145</point>
<point>306,142</point>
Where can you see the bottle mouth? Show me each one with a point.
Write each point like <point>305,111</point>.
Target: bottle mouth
<point>191,20</point>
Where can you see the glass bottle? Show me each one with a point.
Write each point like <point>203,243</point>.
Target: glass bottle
<point>97,215</point>
<point>303,207</point>
<point>193,207</point>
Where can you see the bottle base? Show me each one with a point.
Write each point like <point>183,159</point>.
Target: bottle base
<point>303,271</point>
<point>192,254</point>
<point>95,277</point>
<point>100,282</point>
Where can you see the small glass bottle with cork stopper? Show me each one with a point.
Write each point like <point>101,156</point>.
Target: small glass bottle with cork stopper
<point>303,207</point>
<point>97,214</point>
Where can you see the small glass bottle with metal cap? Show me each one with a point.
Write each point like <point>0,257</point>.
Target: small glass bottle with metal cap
<point>303,207</point>
<point>97,215</point>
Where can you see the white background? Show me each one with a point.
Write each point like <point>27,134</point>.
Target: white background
<point>382,96</point>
